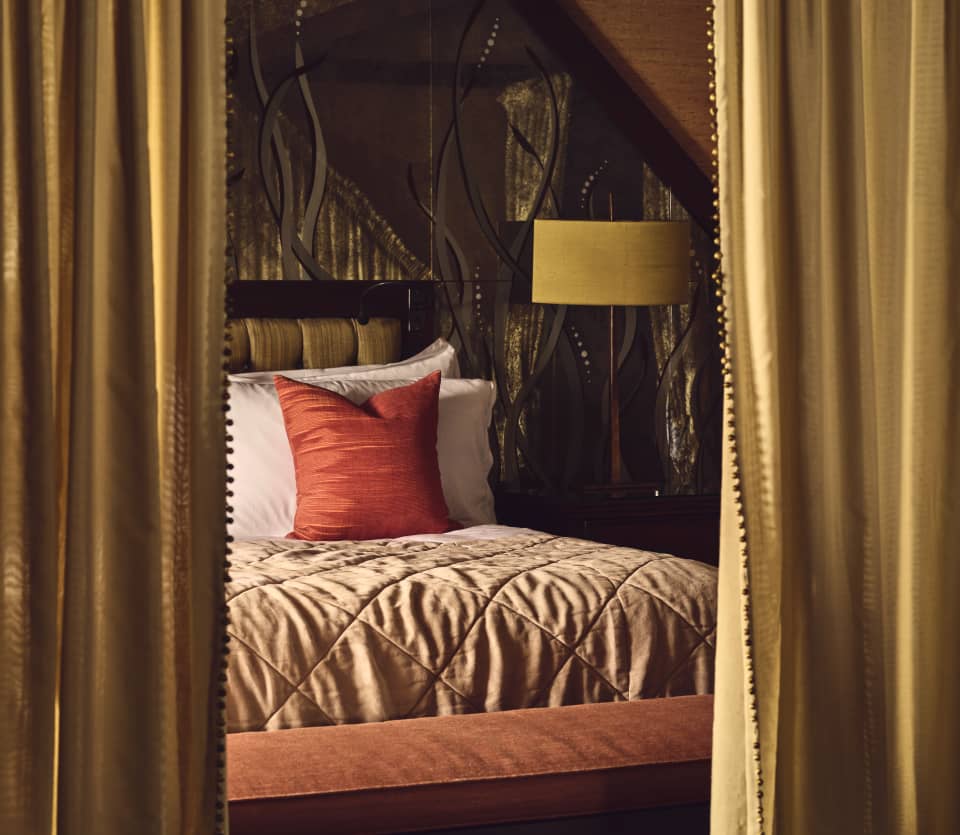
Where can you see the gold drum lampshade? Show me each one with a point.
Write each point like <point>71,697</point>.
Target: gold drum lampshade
<point>614,264</point>
<point>597,262</point>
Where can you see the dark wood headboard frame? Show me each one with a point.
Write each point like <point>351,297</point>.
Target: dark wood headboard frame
<point>412,302</point>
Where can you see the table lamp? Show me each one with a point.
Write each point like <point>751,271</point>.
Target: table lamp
<point>611,263</point>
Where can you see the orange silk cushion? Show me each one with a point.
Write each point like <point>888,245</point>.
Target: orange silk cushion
<point>367,471</point>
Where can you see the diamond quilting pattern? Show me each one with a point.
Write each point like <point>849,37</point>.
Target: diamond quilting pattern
<point>340,632</point>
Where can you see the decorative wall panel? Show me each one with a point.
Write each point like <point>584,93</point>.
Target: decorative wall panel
<point>418,139</point>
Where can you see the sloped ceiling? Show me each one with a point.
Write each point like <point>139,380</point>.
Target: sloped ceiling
<point>659,47</point>
<point>645,60</point>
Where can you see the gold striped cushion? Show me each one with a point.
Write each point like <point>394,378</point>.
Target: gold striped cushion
<point>239,345</point>
<point>274,343</point>
<point>279,344</point>
<point>328,343</point>
<point>378,341</point>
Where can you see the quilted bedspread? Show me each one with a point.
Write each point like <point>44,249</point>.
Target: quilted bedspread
<point>341,632</point>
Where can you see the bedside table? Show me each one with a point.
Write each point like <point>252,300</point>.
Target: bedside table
<point>687,526</point>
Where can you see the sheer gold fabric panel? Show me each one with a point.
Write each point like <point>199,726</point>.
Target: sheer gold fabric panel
<point>112,309</point>
<point>28,491</point>
<point>839,177</point>
<point>185,98</point>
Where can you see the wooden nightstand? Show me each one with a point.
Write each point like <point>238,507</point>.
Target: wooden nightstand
<point>687,526</point>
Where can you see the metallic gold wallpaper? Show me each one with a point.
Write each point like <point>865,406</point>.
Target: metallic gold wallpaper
<point>419,139</point>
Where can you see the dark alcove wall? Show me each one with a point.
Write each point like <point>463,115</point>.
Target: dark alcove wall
<point>348,166</point>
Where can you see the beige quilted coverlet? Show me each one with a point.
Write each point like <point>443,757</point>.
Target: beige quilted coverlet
<point>339,632</point>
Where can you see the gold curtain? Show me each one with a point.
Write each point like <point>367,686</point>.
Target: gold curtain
<point>112,501</point>
<point>838,672</point>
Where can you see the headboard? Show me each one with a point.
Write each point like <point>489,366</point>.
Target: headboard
<point>289,324</point>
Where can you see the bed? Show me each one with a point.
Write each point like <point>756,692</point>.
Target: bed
<point>487,620</point>
<point>478,620</point>
<point>458,674</point>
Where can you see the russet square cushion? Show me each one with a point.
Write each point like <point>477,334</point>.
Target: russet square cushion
<point>264,499</point>
<point>365,471</point>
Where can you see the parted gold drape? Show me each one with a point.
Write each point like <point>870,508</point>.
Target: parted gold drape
<point>111,427</point>
<point>838,670</point>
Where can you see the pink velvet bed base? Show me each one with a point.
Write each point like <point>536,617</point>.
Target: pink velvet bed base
<point>471,770</point>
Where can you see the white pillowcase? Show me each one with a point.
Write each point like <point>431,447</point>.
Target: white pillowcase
<point>265,490</point>
<point>439,355</point>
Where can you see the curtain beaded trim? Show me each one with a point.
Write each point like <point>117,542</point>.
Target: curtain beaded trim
<point>221,812</point>
<point>723,321</point>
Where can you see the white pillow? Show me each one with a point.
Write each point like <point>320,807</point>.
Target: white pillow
<point>439,355</point>
<point>265,490</point>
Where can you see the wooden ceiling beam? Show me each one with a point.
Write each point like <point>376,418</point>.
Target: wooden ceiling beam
<point>646,64</point>
<point>660,48</point>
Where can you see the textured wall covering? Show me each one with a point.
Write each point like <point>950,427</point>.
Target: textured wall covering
<point>419,140</point>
